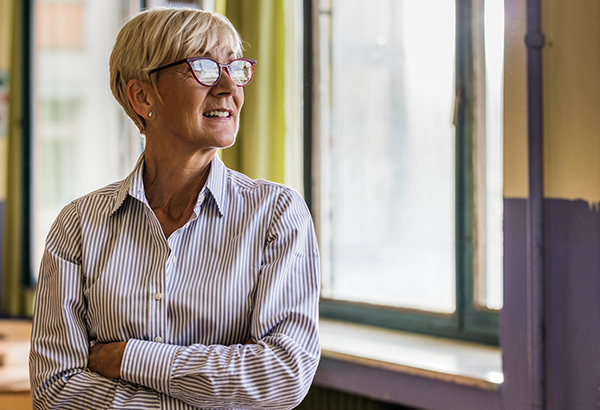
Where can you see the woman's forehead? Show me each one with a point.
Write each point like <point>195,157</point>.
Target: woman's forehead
<point>218,53</point>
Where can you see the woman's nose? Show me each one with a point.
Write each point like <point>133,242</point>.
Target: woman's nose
<point>225,84</point>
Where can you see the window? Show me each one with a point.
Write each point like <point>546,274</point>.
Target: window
<point>408,156</point>
<point>81,139</point>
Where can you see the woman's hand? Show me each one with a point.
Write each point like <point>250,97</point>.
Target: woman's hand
<point>105,359</point>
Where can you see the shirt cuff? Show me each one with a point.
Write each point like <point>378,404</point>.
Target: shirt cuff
<point>148,364</point>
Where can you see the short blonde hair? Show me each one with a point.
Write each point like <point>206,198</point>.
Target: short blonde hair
<point>160,36</point>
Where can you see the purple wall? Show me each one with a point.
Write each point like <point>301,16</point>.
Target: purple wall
<point>572,267</point>
<point>513,318</point>
<point>572,305</point>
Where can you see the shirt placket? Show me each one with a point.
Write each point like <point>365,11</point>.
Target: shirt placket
<point>157,284</point>
<point>159,293</point>
<point>169,272</point>
<point>158,311</point>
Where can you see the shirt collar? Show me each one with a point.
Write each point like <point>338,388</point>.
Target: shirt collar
<point>123,188</point>
<point>133,186</point>
<point>216,184</point>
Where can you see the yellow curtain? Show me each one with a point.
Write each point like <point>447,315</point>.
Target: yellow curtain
<point>15,298</point>
<point>269,142</point>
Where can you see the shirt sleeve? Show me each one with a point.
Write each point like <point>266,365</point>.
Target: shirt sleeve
<point>276,371</point>
<point>59,343</point>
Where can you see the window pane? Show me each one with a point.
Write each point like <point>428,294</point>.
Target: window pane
<point>387,172</point>
<point>81,139</point>
<point>490,268</point>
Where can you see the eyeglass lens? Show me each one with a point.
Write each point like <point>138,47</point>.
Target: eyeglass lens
<point>207,71</point>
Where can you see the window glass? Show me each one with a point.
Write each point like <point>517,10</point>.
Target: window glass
<point>387,152</point>
<point>81,139</point>
<point>490,275</point>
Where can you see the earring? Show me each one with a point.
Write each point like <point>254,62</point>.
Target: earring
<point>150,114</point>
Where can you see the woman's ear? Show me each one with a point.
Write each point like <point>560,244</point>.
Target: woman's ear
<point>140,97</point>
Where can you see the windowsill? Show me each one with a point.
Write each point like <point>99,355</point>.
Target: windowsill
<point>464,363</point>
<point>440,359</point>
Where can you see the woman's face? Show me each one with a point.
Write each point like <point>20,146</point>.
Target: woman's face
<point>193,115</point>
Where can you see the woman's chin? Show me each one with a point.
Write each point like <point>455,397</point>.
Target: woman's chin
<point>226,142</point>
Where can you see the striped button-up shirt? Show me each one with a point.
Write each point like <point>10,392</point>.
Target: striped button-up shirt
<point>244,266</point>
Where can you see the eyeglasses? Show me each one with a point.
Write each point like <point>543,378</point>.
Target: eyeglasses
<point>208,72</point>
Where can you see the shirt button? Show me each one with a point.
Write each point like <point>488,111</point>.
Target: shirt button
<point>158,296</point>
<point>158,339</point>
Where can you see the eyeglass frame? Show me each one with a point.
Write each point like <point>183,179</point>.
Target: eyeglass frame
<point>221,67</point>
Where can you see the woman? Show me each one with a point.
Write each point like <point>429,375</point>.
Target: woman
<point>186,285</point>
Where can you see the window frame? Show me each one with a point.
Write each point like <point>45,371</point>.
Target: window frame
<point>469,321</point>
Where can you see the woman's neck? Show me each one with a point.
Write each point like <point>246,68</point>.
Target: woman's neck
<point>172,184</point>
